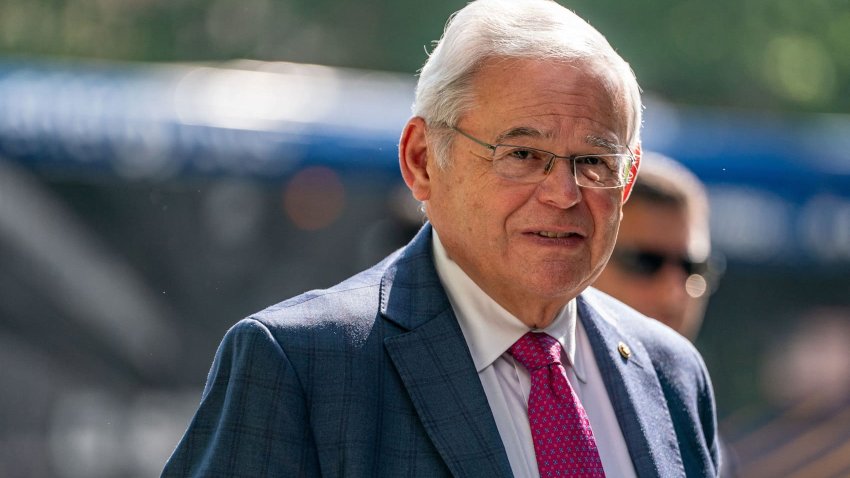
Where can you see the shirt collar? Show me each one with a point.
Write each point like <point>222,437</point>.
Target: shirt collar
<point>488,328</point>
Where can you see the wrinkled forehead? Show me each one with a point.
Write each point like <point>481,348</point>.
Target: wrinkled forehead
<point>612,84</point>
<point>600,83</point>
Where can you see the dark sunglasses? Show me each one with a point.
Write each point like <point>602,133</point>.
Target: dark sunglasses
<point>648,263</point>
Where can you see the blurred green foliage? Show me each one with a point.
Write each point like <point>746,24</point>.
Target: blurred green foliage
<point>786,55</point>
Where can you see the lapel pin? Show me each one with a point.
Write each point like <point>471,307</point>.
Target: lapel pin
<point>624,350</point>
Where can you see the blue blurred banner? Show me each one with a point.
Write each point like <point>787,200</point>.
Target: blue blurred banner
<point>155,121</point>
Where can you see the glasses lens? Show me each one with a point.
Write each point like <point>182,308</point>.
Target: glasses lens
<point>520,163</point>
<point>642,263</point>
<point>648,263</point>
<point>603,171</point>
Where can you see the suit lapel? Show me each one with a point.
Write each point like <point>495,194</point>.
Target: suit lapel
<point>436,368</point>
<point>636,395</point>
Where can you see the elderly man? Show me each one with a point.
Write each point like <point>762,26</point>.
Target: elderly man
<point>660,262</point>
<point>478,349</point>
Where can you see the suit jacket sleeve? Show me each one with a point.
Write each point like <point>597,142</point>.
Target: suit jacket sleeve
<point>708,416</point>
<point>253,417</point>
<point>690,397</point>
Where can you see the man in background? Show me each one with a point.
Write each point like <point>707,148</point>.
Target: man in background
<point>660,262</point>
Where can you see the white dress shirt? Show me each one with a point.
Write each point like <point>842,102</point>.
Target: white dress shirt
<point>489,331</point>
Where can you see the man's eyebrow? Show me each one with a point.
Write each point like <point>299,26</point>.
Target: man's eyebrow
<point>519,132</point>
<point>529,132</point>
<point>611,146</point>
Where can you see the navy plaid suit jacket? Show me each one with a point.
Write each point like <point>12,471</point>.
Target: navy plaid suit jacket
<point>372,377</point>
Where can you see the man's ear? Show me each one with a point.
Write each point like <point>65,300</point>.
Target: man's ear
<point>413,157</point>
<point>633,174</point>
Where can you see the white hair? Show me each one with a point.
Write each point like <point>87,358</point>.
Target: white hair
<point>536,29</point>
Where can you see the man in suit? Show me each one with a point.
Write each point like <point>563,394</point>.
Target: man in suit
<point>522,149</point>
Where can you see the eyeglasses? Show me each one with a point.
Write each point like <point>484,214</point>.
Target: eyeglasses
<point>648,263</point>
<point>532,165</point>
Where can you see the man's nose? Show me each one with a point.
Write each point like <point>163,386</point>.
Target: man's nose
<point>559,187</point>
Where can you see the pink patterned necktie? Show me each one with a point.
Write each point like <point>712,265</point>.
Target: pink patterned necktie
<point>560,430</point>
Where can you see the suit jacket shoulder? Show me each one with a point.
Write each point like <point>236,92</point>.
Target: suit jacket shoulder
<point>352,380</point>
<point>342,316</point>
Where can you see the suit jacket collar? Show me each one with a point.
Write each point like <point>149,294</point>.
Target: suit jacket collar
<point>634,390</point>
<point>411,292</point>
<point>435,366</point>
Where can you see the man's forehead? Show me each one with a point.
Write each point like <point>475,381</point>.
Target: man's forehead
<point>526,132</point>
<point>612,146</point>
<point>578,89</point>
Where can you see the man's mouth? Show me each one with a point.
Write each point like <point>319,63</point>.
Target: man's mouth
<point>556,235</point>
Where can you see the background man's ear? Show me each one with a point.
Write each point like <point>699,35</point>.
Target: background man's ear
<point>633,174</point>
<point>413,157</point>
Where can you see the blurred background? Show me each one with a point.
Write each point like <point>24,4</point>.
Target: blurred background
<point>167,168</point>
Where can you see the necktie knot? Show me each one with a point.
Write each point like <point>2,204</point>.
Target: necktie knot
<point>536,350</point>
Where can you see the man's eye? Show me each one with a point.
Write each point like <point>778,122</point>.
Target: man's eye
<point>590,160</point>
<point>523,154</point>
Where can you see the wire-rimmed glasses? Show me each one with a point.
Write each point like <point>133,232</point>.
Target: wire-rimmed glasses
<point>531,165</point>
